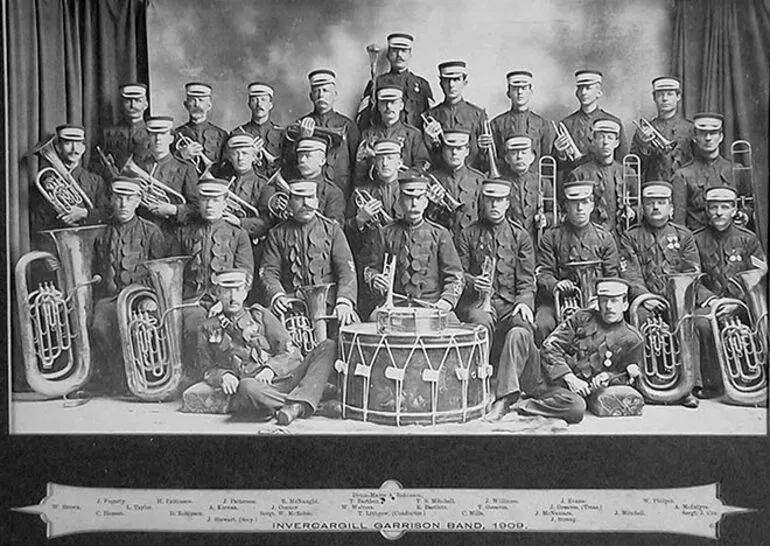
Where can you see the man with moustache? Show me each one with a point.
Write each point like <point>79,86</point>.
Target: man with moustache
<point>178,175</point>
<point>341,155</point>
<point>427,265</point>
<point>706,170</point>
<point>390,104</point>
<point>575,245</point>
<point>129,137</point>
<point>659,163</point>
<point>70,146</point>
<point>417,92</point>
<point>126,244</point>
<point>207,139</point>
<point>454,113</point>
<point>268,137</point>
<point>247,352</point>
<point>579,124</point>
<point>495,239</point>
<point>725,250</point>
<point>311,157</point>
<point>520,119</point>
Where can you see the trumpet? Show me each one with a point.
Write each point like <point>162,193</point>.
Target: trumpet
<point>494,172</point>
<point>154,191</point>
<point>56,184</point>
<point>628,212</point>
<point>743,178</point>
<point>447,201</point>
<point>658,140</point>
<point>546,167</point>
<point>238,207</point>
<point>572,150</point>
<point>201,163</point>
<point>488,269</point>
<point>362,198</point>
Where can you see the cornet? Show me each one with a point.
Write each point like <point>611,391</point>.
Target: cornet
<point>426,119</point>
<point>494,172</point>
<point>154,191</point>
<point>56,184</point>
<point>658,140</point>
<point>201,163</point>
<point>447,201</point>
<point>546,167</point>
<point>488,269</point>
<point>362,198</point>
<point>572,150</point>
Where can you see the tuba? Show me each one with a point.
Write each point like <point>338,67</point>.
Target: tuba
<point>546,168</point>
<point>743,180</point>
<point>56,184</point>
<point>494,172</point>
<point>150,324</point>
<point>54,318</point>
<point>201,163</point>
<point>630,203</point>
<point>658,140</point>
<point>741,340</point>
<point>567,303</point>
<point>572,151</point>
<point>306,320</point>
<point>670,345</point>
<point>153,190</point>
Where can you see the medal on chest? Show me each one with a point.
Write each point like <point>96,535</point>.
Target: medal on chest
<point>735,256</point>
<point>623,264</point>
<point>607,359</point>
<point>672,242</point>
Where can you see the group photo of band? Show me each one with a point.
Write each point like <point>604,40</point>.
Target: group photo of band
<point>416,261</point>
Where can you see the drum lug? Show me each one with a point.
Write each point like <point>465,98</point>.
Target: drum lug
<point>363,370</point>
<point>462,374</point>
<point>430,375</point>
<point>394,373</point>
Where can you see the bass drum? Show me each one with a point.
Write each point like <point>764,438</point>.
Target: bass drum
<point>414,378</point>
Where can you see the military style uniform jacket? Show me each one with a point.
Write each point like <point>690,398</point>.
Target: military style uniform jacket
<point>509,243</point>
<point>273,137</point>
<point>462,115</point>
<point>417,97</point>
<point>212,138</point>
<point>308,254</point>
<point>566,243</point>
<point>580,126</point>
<point>179,176</point>
<point>123,141</point>
<point>245,344</point>
<point>427,264</point>
<point>608,191</point>
<point>525,189</point>
<point>660,165</point>
<point>651,254</point>
<point>331,200</point>
<point>586,346</point>
<point>464,184</point>
<point>122,250</point>
<point>690,185</point>
<point>414,152</point>
<point>252,188</point>
<point>214,247</point>
<point>43,215</point>
<point>724,254</point>
<point>528,123</point>
<point>386,193</point>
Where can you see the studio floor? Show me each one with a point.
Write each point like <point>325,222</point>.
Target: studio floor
<point>120,416</point>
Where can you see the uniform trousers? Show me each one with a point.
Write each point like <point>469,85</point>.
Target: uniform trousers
<point>545,321</point>
<point>107,346</point>
<point>708,374</point>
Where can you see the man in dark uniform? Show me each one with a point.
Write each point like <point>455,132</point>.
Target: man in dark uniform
<point>607,174</point>
<point>655,249</point>
<point>510,287</point>
<point>70,146</point>
<point>575,247</point>
<point>309,250</point>
<point>725,250</point>
<point>414,153</point>
<point>127,243</point>
<point>340,156</point>
<point>427,265</point>
<point>579,124</point>
<point>593,355</point>
<point>660,161</point>
<point>206,138</point>
<point>418,94</point>
<point>706,170</point>
<point>248,353</point>
<point>128,138</point>
<point>177,175</point>
<point>215,243</point>
<point>520,119</point>
<point>455,178</point>
<point>269,138</point>
<point>454,113</point>
<point>519,169</point>
<point>311,157</point>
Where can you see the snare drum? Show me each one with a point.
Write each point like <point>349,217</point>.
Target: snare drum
<point>414,378</point>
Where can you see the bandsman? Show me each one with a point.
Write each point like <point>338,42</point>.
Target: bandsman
<point>268,137</point>
<point>205,139</point>
<point>311,157</point>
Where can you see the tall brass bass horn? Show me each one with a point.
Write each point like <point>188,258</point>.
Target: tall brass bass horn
<point>150,324</point>
<point>670,344</point>
<point>306,319</point>
<point>56,184</point>
<point>567,303</point>
<point>54,318</point>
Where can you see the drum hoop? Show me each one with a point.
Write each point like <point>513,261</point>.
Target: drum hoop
<point>424,415</point>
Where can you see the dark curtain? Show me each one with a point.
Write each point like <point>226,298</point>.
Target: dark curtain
<point>722,53</point>
<point>66,60</point>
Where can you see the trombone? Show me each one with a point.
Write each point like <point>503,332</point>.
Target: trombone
<point>238,207</point>
<point>201,163</point>
<point>743,176</point>
<point>546,168</point>
<point>572,150</point>
<point>632,178</point>
<point>658,140</point>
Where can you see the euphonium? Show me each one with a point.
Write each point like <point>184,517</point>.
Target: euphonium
<point>56,184</point>
<point>658,140</point>
<point>740,337</point>
<point>567,303</point>
<point>362,198</point>
<point>572,150</point>
<point>494,172</point>
<point>546,168</point>
<point>200,161</point>
<point>153,190</point>
<point>54,318</point>
<point>743,179</point>
<point>306,320</point>
<point>488,269</point>
<point>670,345</point>
<point>150,324</point>
<point>630,203</point>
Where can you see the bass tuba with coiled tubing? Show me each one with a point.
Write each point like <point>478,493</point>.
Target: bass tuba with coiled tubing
<point>671,349</point>
<point>150,324</point>
<point>54,318</point>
